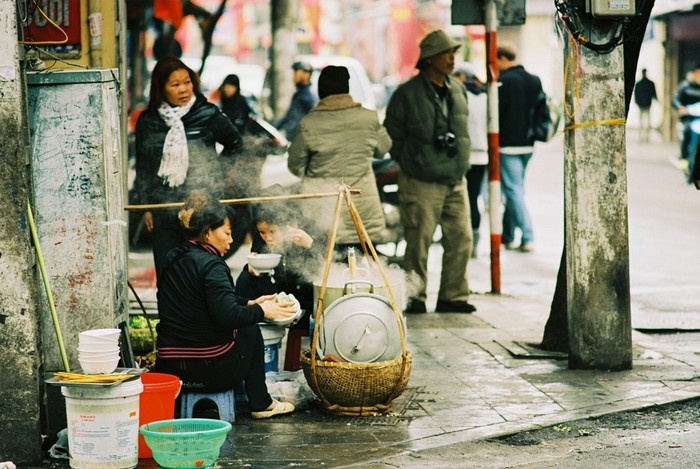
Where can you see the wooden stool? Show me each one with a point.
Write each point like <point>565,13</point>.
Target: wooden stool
<point>292,353</point>
<point>225,402</point>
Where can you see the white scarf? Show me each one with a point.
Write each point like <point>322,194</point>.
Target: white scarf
<point>176,157</point>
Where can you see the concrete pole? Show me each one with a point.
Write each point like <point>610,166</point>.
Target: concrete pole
<point>595,185</point>
<point>20,435</point>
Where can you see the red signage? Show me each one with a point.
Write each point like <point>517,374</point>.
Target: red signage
<point>54,24</point>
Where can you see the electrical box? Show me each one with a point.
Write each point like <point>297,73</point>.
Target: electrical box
<point>608,8</point>
<point>56,28</point>
<point>78,181</point>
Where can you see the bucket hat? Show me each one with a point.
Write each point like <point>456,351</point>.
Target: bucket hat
<point>435,43</point>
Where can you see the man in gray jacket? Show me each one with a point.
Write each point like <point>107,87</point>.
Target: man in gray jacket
<point>427,121</point>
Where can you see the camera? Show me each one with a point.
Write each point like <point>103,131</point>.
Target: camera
<point>446,140</point>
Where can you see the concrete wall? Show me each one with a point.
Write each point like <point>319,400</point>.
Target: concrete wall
<point>20,437</point>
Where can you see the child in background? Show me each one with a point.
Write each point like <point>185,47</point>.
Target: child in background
<point>277,230</point>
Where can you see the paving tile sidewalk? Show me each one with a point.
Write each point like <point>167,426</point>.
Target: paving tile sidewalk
<point>465,385</point>
<point>472,379</point>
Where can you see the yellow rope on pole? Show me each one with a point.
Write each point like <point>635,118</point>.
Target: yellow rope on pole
<point>45,277</point>
<point>617,121</point>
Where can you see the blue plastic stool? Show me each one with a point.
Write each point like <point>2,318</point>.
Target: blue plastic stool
<point>225,402</point>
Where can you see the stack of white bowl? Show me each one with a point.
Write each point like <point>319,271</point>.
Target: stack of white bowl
<point>98,350</point>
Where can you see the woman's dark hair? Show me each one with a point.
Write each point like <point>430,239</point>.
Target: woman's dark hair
<point>279,213</point>
<point>274,213</point>
<point>160,75</point>
<point>231,80</point>
<point>202,213</point>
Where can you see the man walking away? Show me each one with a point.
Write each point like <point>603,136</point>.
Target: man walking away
<point>517,94</point>
<point>427,121</point>
<point>644,95</point>
<point>303,100</point>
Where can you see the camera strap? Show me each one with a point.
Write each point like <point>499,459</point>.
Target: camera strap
<point>443,105</point>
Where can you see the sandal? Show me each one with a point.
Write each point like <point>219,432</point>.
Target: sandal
<point>279,408</point>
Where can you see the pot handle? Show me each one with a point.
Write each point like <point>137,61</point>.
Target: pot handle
<point>352,283</point>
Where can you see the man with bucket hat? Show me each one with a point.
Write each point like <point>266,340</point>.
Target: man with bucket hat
<point>303,100</point>
<point>427,121</point>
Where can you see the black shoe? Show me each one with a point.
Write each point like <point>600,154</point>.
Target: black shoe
<point>454,307</point>
<point>416,307</point>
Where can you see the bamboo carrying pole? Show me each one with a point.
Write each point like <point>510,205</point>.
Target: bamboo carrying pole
<point>248,200</point>
<point>49,295</point>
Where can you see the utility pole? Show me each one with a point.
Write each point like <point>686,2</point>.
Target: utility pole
<point>495,217</point>
<point>20,434</point>
<point>596,227</point>
<point>284,14</point>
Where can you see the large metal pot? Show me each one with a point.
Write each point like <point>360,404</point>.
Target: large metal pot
<point>361,328</point>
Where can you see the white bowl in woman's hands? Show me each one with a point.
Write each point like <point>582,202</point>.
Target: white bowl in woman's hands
<point>284,298</point>
<point>264,262</point>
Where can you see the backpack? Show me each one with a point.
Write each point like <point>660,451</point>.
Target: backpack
<point>545,117</point>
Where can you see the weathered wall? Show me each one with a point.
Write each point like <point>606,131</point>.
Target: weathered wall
<point>77,182</point>
<point>595,184</point>
<point>20,437</point>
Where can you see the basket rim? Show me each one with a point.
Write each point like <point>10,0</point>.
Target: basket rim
<point>306,359</point>
<point>217,427</point>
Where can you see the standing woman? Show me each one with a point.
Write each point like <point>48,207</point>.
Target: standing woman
<point>175,150</point>
<point>337,141</point>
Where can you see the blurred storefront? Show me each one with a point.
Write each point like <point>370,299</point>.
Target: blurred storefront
<point>679,37</point>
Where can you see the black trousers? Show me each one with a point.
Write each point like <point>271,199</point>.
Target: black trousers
<point>475,180</point>
<point>244,362</point>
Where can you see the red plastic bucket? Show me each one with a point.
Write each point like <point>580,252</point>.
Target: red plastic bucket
<point>157,402</point>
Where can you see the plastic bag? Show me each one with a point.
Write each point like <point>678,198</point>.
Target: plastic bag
<point>291,386</point>
<point>59,450</point>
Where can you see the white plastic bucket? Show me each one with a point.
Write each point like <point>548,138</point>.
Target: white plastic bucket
<point>103,425</point>
<point>272,337</point>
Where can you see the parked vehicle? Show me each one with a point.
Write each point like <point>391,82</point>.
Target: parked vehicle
<point>217,67</point>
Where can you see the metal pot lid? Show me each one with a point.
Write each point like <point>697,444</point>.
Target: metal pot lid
<point>360,328</point>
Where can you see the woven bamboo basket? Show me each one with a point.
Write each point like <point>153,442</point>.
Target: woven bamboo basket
<point>355,388</point>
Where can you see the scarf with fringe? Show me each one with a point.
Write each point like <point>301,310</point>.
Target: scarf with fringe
<point>176,157</point>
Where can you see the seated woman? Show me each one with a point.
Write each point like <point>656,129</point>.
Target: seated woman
<point>277,230</point>
<point>208,336</point>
